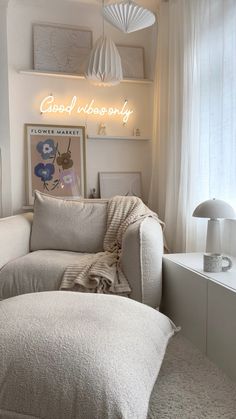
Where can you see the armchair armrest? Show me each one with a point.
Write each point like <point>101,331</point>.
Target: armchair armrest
<point>141,260</point>
<point>14,237</point>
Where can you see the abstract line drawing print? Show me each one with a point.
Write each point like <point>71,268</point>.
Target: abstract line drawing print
<point>61,48</point>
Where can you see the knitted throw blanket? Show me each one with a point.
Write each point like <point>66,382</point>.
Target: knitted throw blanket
<point>101,272</point>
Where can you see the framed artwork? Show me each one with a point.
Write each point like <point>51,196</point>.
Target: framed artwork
<point>61,48</point>
<point>132,60</point>
<point>120,183</point>
<point>56,160</point>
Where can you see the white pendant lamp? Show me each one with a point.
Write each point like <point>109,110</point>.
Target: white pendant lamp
<point>128,16</point>
<point>104,66</point>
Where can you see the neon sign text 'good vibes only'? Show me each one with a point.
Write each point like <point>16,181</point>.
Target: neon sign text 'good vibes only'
<point>48,105</point>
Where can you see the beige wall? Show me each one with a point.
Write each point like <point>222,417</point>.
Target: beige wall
<point>26,92</point>
<point>5,156</point>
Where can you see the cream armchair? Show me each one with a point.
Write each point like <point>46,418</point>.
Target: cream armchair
<point>26,267</point>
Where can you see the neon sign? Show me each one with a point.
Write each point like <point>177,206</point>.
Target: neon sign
<point>48,105</point>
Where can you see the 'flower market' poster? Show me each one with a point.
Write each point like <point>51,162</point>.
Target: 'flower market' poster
<point>56,160</point>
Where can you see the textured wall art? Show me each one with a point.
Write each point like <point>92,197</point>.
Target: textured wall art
<point>61,48</point>
<point>132,59</point>
<point>56,160</point>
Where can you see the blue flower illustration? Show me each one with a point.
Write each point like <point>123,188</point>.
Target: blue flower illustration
<point>44,171</point>
<point>47,149</point>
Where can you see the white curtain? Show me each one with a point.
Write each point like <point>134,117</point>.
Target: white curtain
<point>194,154</point>
<point>1,213</point>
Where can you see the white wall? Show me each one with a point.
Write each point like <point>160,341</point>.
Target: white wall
<point>5,157</point>
<point>26,92</point>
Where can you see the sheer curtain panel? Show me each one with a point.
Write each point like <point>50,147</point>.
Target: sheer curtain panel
<point>194,152</point>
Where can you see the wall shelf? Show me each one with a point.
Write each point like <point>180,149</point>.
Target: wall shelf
<point>118,137</point>
<point>27,208</point>
<point>75,76</point>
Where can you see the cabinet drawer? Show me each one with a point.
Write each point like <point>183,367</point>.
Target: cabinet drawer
<point>185,301</point>
<point>221,327</point>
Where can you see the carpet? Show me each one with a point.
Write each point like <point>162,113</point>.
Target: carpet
<point>190,386</point>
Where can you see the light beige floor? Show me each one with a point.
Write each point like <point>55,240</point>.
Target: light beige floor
<point>189,386</point>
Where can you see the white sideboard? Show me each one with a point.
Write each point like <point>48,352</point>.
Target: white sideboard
<point>204,305</point>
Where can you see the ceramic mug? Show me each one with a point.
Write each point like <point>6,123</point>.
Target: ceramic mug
<point>213,262</point>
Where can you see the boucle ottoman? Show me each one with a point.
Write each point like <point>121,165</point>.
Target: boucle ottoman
<point>66,355</point>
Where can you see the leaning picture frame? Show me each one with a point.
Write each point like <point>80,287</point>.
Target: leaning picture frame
<point>56,161</point>
<point>132,60</point>
<point>120,183</point>
<point>61,48</point>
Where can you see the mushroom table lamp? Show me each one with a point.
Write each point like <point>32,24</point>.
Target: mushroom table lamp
<point>214,209</point>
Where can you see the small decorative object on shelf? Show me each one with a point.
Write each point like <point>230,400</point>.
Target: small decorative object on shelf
<point>137,132</point>
<point>92,193</point>
<point>102,129</point>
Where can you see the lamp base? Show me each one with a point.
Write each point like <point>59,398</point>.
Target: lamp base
<point>213,242</point>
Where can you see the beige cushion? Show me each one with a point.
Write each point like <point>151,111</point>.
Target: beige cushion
<point>37,271</point>
<point>59,224</point>
<point>79,356</point>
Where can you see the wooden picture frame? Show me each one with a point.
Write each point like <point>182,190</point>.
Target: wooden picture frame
<point>120,183</point>
<point>132,60</point>
<point>61,48</point>
<point>56,161</point>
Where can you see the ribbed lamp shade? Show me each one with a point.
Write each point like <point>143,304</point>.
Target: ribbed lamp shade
<point>104,66</point>
<point>128,16</point>
<point>214,208</point>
